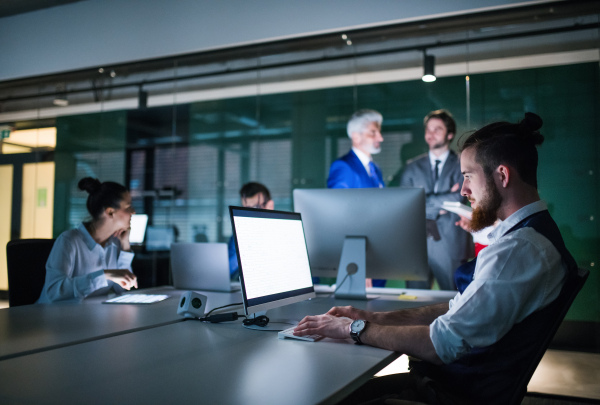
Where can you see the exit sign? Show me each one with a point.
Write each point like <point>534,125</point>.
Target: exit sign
<point>4,131</point>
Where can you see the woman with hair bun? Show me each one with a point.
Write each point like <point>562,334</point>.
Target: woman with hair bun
<point>95,257</point>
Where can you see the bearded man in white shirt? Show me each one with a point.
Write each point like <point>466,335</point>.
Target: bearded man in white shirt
<point>467,350</point>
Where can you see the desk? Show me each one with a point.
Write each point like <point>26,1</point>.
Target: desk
<point>33,328</point>
<point>197,362</point>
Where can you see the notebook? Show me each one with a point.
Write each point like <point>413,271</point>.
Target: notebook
<point>201,266</point>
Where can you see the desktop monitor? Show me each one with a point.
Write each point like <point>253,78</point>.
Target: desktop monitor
<point>272,258</point>
<point>138,229</point>
<point>159,238</point>
<point>370,232</point>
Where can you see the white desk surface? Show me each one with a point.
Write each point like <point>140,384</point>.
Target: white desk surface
<point>127,360</point>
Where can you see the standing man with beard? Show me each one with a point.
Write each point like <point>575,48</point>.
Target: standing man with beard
<point>438,172</point>
<point>356,168</point>
<point>470,347</point>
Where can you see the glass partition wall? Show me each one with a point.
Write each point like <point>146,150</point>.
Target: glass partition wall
<point>185,133</point>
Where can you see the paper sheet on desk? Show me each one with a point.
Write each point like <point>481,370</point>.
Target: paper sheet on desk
<point>458,208</point>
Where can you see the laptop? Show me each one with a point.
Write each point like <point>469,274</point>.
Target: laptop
<point>201,266</point>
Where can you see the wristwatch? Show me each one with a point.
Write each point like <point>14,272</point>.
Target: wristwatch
<point>356,328</point>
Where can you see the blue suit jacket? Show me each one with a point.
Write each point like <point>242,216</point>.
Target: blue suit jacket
<point>349,172</point>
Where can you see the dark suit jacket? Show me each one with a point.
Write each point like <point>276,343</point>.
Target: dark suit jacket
<point>418,173</point>
<point>349,172</point>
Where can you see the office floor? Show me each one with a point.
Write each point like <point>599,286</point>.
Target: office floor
<point>562,378</point>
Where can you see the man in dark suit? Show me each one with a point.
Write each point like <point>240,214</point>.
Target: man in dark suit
<point>438,172</point>
<point>356,169</point>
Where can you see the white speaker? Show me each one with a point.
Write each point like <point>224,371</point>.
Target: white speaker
<point>191,305</point>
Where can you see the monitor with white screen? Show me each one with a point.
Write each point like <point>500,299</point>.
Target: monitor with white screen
<point>138,229</point>
<point>272,258</point>
<point>370,232</point>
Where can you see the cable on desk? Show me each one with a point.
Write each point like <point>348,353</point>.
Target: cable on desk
<point>224,306</point>
<point>261,320</point>
<point>226,317</point>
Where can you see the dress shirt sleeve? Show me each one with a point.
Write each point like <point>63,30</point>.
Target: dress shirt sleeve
<point>63,279</point>
<point>125,259</point>
<point>513,278</point>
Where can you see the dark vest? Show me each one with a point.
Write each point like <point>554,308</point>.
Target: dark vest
<point>487,375</point>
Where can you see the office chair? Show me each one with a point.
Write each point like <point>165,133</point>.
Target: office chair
<point>26,263</point>
<point>565,299</point>
<point>562,305</point>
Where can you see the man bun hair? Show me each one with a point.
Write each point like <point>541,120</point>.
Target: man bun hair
<point>504,143</point>
<point>529,126</point>
<point>101,195</point>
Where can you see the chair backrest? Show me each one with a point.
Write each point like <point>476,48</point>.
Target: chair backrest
<point>26,263</point>
<point>565,300</point>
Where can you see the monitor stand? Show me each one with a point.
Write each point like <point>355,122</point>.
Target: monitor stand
<point>352,274</point>
<point>274,325</point>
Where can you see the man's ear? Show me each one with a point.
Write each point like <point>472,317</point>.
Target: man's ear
<point>270,205</point>
<point>450,136</point>
<point>503,174</point>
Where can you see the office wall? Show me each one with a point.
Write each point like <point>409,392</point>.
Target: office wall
<point>6,188</point>
<point>96,33</point>
<point>193,158</point>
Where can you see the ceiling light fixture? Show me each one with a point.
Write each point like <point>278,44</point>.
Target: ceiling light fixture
<point>428,68</point>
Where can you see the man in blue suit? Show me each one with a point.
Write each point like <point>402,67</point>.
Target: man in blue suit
<point>356,169</point>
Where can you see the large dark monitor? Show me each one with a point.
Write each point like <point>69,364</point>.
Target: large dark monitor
<point>272,258</point>
<point>370,232</point>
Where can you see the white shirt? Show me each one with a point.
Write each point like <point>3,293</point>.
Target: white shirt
<point>442,158</point>
<point>364,159</point>
<point>75,267</point>
<point>515,275</point>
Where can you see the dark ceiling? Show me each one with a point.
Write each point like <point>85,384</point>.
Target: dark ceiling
<point>13,7</point>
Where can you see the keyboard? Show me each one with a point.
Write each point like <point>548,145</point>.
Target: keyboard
<point>137,299</point>
<point>289,333</point>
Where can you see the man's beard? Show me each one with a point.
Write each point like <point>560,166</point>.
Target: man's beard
<point>373,150</point>
<point>486,213</point>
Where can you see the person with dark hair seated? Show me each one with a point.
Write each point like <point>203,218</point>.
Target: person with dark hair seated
<point>95,257</point>
<point>252,195</point>
<point>468,351</point>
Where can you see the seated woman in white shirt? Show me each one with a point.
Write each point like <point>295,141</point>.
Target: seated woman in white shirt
<point>95,257</point>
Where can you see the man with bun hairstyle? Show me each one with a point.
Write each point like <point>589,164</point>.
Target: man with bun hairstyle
<point>466,351</point>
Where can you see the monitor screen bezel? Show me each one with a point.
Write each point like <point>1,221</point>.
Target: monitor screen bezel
<point>264,303</point>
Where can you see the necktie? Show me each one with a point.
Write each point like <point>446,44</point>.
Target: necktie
<point>373,174</point>
<point>436,175</point>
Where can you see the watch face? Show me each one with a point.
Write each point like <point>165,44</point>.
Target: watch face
<point>357,326</point>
